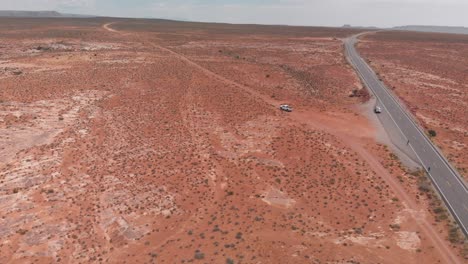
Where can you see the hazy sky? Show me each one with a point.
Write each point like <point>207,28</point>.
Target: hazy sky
<point>293,12</point>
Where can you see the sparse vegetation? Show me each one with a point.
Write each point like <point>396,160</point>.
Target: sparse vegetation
<point>170,146</point>
<point>455,235</point>
<point>410,72</point>
<point>22,231</point>
<point>199,255</point>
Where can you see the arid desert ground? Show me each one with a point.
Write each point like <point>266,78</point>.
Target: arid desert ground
<point>151,141</point>
<point>429,72</point>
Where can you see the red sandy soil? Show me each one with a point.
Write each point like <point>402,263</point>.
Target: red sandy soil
<point>429,73</point>
<point>162,142</point>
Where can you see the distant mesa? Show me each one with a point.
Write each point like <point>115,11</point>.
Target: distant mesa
<point>435,29</point>
<point>418,28</point>
<point>359,27</point>
<point>45,14</point>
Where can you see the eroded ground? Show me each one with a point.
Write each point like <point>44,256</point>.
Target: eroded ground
<point>158,142</point>
<point>429,73</point>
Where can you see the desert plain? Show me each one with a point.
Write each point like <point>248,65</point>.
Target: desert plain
<point>153,141</point>
<point>428,72</point>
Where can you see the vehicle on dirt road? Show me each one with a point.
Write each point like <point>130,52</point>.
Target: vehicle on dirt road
<point>286,108</point>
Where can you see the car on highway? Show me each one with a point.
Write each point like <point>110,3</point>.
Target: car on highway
<point>377,110</point>
<point>286,108</point>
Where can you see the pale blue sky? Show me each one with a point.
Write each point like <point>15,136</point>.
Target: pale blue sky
<point>293,12</point>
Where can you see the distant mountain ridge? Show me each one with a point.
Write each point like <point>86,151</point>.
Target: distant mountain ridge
<point>15,13</point>
<point>436,29</point>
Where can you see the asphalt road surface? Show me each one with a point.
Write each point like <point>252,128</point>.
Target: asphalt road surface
<point>404,131</point>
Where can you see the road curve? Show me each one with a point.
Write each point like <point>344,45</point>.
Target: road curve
<point>445,178</point>
<point>108,28</point>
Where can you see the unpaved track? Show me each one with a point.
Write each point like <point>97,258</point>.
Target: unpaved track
<point>316,121</point>
<point>190,121</point>
<point>108,28</point>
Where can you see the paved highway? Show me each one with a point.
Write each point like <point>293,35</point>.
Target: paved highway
<point>446,179</point>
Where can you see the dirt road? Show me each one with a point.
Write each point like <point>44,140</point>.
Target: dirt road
<point>346,131</point>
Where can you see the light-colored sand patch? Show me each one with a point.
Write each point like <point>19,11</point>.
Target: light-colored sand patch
<point>255,137</point>
<point>428,120</point>
<point>46,119</point>
<point>275,197</point>
<point>458,145</point>
<point>89,46</point>
<point>413,74</point>
<point>371,240</point>
<point>408,240</point>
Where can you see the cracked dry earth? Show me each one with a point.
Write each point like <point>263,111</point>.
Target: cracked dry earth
<point>161,142</point>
